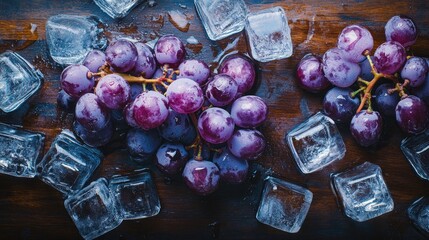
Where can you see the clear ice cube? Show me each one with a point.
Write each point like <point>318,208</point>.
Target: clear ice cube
<point>418,212</point>
<point>117,8</point>
<point>221,18</point>
<point>315,143</point>
<point>19,151</point>
<point>19,80</point>
<point>283,205</point>
<point>71,37</point>
<point>68,164</point>
<point>416,150</point>
<point>136,195</point>
<point>93,210</point>
<point>363,192</point>
<point>268,35</point>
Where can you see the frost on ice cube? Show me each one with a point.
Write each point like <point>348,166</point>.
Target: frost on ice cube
<point>315,143</point>
<point>283,205</point>
<point>221,18</point>
<point>93,210</point>
<point>416,150</point>
<point>68,164</point>
<point>71,37</point>
<point>268,35</point>
<point>363,192</point>
<point>117,8</point>
<point>19,80</point>
<point>19,151</point>
<point>418,212</point>
<point>136,195</point>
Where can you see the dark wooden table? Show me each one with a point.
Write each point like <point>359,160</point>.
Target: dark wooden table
<point>29,209</point>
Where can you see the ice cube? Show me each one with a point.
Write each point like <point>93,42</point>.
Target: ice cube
<point>221,18</point>
<point>268,35</point>
<point>19,151</point>
<point>93,210</point>
<point>363,192</point>
<point>315,143</point>
<point>418,212</point>
<point>283,205</point>
<point>117,8</point>
<point>136,195</point>
<point>68,164</point>
<point>71,37</point>
<point>19,80</point>
<point>416,150</point>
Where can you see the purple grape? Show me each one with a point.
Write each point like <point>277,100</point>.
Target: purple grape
<point>241,69</point>
<point>247,144</point>
<point>135,90</point>
<point>171,158</point>
<point>202,177</point>
<point>221,90</point>
<point>249,111</point>
<point>121,55</point>
<point>185,96</point>
<point>194,69</point>
<point>189,137</point>
<point>75,81</point>
<point>142,144</point>
<point>215,125</point>
<point>113,91</point>
<point>402,30</point>
<point>129,115</point>
<point>146,64</point>
<point>355,40</point>
<point>175,127</point>
<point>96,138</point>
<point>232,169</point>
<point>310,74</point>
<point>412,115</point>
<point>366,70</point>
<point>339,71</point>
<point>169,50</point>
<point>150,109</point>
<point>94,60</point>
<point>385,102</point>
<point>389,57</point>
<point>65,101</point>
<point>339,105</point>
<point>91,113</point>
<point>422,92</point>
<point>366,127</point>
<point>415,70</point>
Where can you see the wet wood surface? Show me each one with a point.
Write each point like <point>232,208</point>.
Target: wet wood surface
<point>29,209</point>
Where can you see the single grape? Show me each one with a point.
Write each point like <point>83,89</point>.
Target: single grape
<point>249,111</point>
<point>232,169</point>
<point>194,69</point>
<point>65,101</point>
<point>415,70</point>
<point>366,127</point>
<point>135,90</point>
<point>385,102</point>
<point>339,71</point>
<point>113,91</point>
<point>146,63</point>
<point>422,92</point>
<point>150,109</point>
<point>221,90</point>
<point>129,115</point>
<point>169,50</point>
<point>75,80</point>
<point>215,125</point>
<point>339,105</point>
<point>94,60</point>
<point>241,69</point>
<point>310,74</point>
<point>171,158</point>
<point>142,144</point>
<point>202,177</point>
<point>96,138</point>
<point>121,55</point>
<point>355,40</point>
<point>91,113</point>
<point>185,95</point>
<point>402,30</point>
<point>247,144</point>
<point>412,115</point>
<point>175,127</point>
<point>366,70</point>
<point>389,57</point>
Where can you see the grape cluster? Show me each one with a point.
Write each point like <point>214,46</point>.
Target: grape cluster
<point>367,88</point>
<point>189,119</point>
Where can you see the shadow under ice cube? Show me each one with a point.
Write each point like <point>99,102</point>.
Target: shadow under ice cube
<point>418,212</point>
<point>416,150</point>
